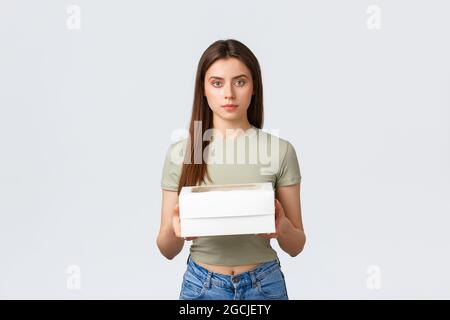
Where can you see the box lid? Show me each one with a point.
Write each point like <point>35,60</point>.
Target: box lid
<point>226,200</point>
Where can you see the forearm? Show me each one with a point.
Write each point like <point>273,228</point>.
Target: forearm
<point>169,244</point>
<point>291,239</point>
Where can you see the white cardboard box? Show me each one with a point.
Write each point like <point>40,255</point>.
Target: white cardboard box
<point>227,209</point>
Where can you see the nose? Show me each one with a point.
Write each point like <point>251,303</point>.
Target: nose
<point>229,91</point>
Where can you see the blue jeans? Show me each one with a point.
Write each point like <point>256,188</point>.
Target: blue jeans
<point>264,282</point>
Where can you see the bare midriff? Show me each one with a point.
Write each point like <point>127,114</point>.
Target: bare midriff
<point>227,270</point>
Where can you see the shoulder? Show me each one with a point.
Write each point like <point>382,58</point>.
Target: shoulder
<point>176,151</point>
<point>284,160</point>
<point>173,165</point>
<point>275,142</point>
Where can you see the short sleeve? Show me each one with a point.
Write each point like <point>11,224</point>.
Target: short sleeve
<point>171,170</point>
<point>289,172</point>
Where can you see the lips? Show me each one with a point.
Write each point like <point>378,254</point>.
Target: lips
<point>230,106</point>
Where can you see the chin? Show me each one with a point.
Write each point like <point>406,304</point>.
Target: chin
<point>231,116</point>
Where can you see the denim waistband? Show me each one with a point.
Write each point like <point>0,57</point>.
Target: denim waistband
<point>223,280</point>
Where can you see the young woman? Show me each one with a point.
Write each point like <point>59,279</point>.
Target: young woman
<point>229,97</point>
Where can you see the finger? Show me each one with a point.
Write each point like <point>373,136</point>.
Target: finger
<point>277,203</point>
<point>279,208</point>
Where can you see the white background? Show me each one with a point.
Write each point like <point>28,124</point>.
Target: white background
<point>86,116</point>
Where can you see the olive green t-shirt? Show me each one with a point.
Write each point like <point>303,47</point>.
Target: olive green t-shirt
<point>252,157</point>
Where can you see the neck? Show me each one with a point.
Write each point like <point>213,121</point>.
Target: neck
<point>223,125</point>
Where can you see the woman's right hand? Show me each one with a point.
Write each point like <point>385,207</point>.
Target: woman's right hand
<point>177,225</point>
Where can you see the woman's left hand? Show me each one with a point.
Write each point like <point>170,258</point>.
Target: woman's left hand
<point>281,222</point>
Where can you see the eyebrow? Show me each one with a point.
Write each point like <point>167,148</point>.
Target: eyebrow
<point>241,75</point>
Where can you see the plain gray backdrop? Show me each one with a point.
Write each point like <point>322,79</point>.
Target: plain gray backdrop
<point>88,107</point>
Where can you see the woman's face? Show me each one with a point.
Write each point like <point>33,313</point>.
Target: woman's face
<point>228,82</point>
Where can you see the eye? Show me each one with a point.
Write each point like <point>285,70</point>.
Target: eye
<point>216,83</point>
<point>240,83</point>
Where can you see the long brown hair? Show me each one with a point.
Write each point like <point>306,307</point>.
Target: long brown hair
<point>194,173</point>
